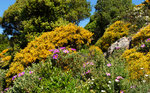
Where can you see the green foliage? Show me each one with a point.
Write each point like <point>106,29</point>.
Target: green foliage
<point>29,16</point>
<point>107,12</point>
<point>4,42</point>
<point>113,33</point>
<point>2,79</point>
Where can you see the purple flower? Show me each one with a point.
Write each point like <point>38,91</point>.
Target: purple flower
<point>121,91</point>
<point>133,87</point>
<point>14,77</point>
<point>65,51</point>
<point>88,72</point>
<point>108,65</point>
<point>21,74</point>
<point>143,45</point>
<point>55,56</point>
<point>119,77</point>
<point>73,49</point>
<point>87,63</point>
<point>148,40</point>
<point>6,89</point>
<point>40,78</point>
<point>108,74</point>
<point>62,48</point>
<point>30,72</point>
<point>2,92</point>
<point>56,51</point>
<point>51,50</point>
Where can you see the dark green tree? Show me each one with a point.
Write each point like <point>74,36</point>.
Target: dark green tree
<point>4,42</point>
<point>27,17</point>
<point>107,12</point>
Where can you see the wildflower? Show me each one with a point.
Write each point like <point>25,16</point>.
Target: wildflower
<point>65,51</point>
<point>108,74</point>
<point>51,50</point>
<point>56,51</point>
<point>40,78</point>
<point>148,40</point>
<point>84,65</point>
<point>91,63</point>
<point>146,75</point>
<point>141,68</point>
<point>21,74</point>
<point>87,63</point>
<point>62,48</point>
<point>109,81</point>
<point>119,77</point>
<point>88,72</point>
<point>55,56</point>
<point>116,80</point>
<point>109,65</point>
<point>144,81</point>
<point>73,49</point>
<point>14,77</point>
<point>6,89</point>
<point>143,45</point>
<point>30,72</point>
<point>121,91</point>
<point>103,91</point>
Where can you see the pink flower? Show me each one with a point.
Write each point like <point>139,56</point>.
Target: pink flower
<point>6,89</point>
<point>91,63</point>
<point>55,56</point>
<point>108,74</point>
<point>40,78</point>
<point>14,77</point>
<point>73,49</point>
<point>109,65</point>
<point>133,87</point>
<point>143,45</point>
<point>65,51</point>
<point>62,48</point>
<point>51,50</point>
<point>121,91</point>
<point>119,77</point>
<point>117,48</point>
<point>56,51</point>
<point>21,74</point>
<point>88,72</point>
<point>148,40</point>
<point>30,72</point>
<point>84,65</point>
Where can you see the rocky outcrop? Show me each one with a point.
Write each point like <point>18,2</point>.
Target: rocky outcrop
<point>124,42</point>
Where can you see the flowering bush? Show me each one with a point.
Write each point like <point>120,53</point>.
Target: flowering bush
<point>137,63</point>
<point>113,33</point>
<point>143,34</point>
<point>93,49</point>
<point>38,49</point>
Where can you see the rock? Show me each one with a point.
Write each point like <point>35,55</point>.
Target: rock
<point>123,42</point>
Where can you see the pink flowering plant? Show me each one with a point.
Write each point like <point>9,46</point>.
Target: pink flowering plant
<point>145,46</point>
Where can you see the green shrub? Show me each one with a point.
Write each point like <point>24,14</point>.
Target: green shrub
<point>113,33</point>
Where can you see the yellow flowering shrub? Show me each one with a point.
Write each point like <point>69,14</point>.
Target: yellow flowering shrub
<point>94,49</point>
<point>143,34</point>
<point>113,33</point>
<point>4,58</point>
<point>137,63</point>
<point>38,49</point>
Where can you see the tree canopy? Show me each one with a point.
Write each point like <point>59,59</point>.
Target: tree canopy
<point>107,11</point>
<point>28,16</point>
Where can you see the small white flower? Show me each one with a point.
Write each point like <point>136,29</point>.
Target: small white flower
<point>146,75</point>
<point>93,79</point>
<point>141,68</point>
<point>102,90</point>
<point>109,81</point>
<point>144,81</point>
<point>116,80</point>
<point>92,83</point>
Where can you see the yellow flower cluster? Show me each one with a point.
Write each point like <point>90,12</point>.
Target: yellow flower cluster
<point>93,49</point>
<point>143,34</point>
<point>38,49</point>
<point>137,63</point>
<point>113,33</point>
